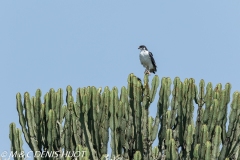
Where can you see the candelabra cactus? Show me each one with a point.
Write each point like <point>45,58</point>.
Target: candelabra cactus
<point>84,125</point>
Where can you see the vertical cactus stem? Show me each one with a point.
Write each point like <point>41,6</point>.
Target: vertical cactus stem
<point>163,104</point>
<point>137,155</point>
<point>16,141</point>
<point>143,124</point>
<point>217,91</point>
<point>69,97</point>
<point>22,118</point>
<point>207,151</point>
<point>189,138</point>
<point>130,89</point>
<point>238,156</point>
<point>168,143</point>
<point>12,134</point>
<point>228,91</point>
<point>168,91</point>
<point>216,142</point>
<point>59,103</point>
<point>95,110</point>
<point>193,87</point>
<point>67,129</point>
<point>124,96</point>
<point>137,108</point>
<point>214,113</point>
<point>208,102</point>
<point>130,85</point>
<point>43,124</point>
<point>187,117</point>
<point>118,121</point>
<point>124,118</point>
<point>190,106</point>
<point>155,127</point>
<point>128,145</point>
<point>98,99</point>
<point>52,95</point>
<point>31,116</point>
<point>222,115</point>
<point>37,116</point>
<point>155,153</point>
<point>113,119</point>
<point>145,93</point>
<point>227,100</point>
<point>173,151</point>
<point>168,119</point>
<point>201,92</point>
<point>233,114</point>
<point>62,131</point>
<point>63,113</point>
<point>196,152</point>
<point>146,80</point>
<point>168,136</point>
<point>204,139</point>
<point>175,102</point>
<point>50,128</point>
<point>77,110</point>
<point>155,84</point>
<point>20,141</point>
<point>180,128</point>
<point>185,100</point>
<point>105,102</point>
<point>150,129</point>
<point>200,103</point>
<point>84,108</point>
<point>47,104</point>
<point>222,106</point>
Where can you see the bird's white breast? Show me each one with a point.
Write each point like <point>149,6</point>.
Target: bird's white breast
<point>145,59</point>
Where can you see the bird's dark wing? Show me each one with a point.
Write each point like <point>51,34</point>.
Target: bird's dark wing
<point>153,61</point>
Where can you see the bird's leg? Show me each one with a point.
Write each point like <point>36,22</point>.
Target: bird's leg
<point>147,72</point>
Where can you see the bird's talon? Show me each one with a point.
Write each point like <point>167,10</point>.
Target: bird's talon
<point>147,72</point>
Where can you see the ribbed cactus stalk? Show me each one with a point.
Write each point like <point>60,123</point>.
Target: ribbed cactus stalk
<point>103,119</point>
<point>83,125</point>
<point>16,140</point>
<point>137,156</point>
<point>149,125</point>
<point>114,122</point>
<point>156,154</point>
<point>207,150</point>
<point>204,138</point>
<point>200,101</point>
<point>163,104</point>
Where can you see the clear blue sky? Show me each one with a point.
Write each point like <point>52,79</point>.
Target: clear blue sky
<point>52,44</point>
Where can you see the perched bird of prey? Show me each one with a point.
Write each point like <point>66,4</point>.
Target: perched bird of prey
<point>147,60</point>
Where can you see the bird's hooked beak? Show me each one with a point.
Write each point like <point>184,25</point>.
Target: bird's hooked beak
<point>138,47</point>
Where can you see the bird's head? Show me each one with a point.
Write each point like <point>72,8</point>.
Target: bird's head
<point>142,47</point>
